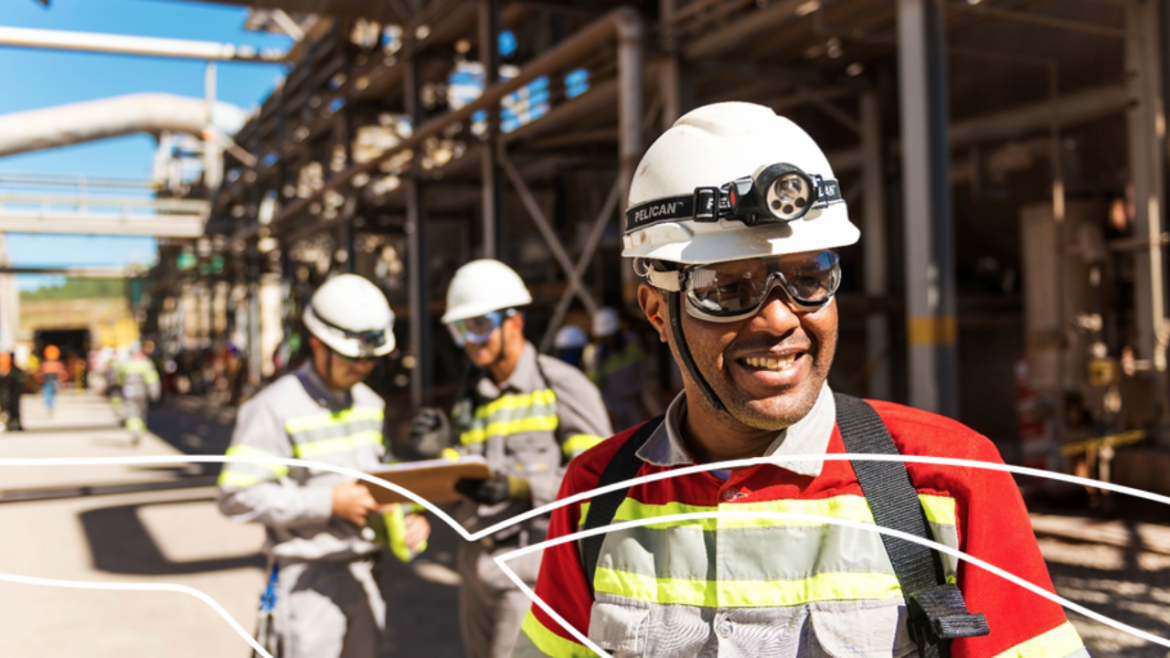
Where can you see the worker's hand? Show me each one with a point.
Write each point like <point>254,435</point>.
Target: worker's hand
<point>430,432</point>
<point>418,530</point>
<point>353,502</point>
<point>494,490</point>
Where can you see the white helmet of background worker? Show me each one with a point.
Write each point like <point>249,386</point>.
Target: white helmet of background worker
<point>606,322</point>
<point>732,182</point>
<point>352,317</point>
<point>478,289</point>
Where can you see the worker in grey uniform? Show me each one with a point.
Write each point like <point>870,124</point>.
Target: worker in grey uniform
<point>528,415</point>
<point>320,545</point>
<point>138,382</point>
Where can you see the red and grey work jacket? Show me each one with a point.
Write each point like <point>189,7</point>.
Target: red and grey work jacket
<point>789,589</point>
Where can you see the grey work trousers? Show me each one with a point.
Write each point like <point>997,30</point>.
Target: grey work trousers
<point>491,607</point>
<point>329,610</point>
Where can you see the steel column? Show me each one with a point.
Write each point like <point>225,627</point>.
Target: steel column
<point>873,241</point>
<point>1146,132</point>
<point>493,208</point>
<point>629,54</point>
<point>421,375</point>
<point>931,328</point>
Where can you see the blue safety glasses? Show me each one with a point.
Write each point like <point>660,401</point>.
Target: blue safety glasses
<point>478,329</point>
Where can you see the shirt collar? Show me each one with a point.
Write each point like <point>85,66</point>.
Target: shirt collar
<point>319,391</point>
<point>521,379</point>
<point>808,436</point>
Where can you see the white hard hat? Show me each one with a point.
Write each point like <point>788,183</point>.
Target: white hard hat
<point>482,286</point>
<point>350,315</point>
<point>726,163</point>
<point>570,337</point>
<point>605,322</point>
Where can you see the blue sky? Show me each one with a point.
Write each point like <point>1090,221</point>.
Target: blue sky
<point>40,78</point>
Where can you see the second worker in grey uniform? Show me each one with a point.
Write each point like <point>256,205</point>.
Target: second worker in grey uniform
<point>528,415</point>
<point>322,551</point>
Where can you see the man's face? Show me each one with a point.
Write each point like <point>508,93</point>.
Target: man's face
<point>767,369</point>
<point>338,373</point>
<point>486,353</point>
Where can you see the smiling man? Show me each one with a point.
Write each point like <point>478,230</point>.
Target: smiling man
<point>733,221</point>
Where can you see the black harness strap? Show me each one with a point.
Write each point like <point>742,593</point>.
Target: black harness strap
<point>937,613</point>
<point>624,466</point>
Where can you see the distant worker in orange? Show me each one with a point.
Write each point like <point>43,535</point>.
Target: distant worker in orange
<point>50,375</point>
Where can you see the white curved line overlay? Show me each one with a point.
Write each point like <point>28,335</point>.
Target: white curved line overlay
<point>544,509</point>
<point>796,516</point>
<point>142,587</point>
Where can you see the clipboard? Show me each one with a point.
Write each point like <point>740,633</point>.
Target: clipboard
<point>432,479</point>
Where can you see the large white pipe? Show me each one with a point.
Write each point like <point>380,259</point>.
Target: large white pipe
<point>51,127</point>
<point>132,45</point>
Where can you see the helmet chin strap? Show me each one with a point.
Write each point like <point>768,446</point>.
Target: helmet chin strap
<point>675,307</point>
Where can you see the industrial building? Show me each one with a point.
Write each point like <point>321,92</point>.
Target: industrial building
<point>1005,160</point>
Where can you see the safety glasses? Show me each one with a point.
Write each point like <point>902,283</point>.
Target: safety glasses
<point>734,290</point>
<point>478,329</point>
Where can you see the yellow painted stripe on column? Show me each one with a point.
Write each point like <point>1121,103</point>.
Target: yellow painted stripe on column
<point>930,330</point>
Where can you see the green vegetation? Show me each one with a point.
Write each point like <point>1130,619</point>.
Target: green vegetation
<point>79,289</point>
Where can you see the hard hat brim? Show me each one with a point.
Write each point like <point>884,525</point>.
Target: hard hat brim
<point>349,347</point>
<point>691,243</point>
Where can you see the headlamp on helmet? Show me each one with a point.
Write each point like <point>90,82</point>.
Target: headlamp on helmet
<point>776,193</point>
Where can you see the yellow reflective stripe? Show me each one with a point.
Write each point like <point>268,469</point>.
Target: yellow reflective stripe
<point>318,448</point>
<point>317,421</point>
<point>509,427</point>
<point>848,507</point>
<point>1056,643</point>
<point>748,593</point>
<point>238,480</point>
<point>579,443</point>
<point>939,509</point>
<point>278,470</point>
<point>522,401</point>
<point>551,644</point>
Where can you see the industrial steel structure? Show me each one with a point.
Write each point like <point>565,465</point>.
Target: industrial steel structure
<point>1005,160</point>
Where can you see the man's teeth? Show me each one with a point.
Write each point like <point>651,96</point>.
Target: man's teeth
<point>770,363</point>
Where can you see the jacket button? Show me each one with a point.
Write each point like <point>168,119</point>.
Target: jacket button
<point>730,494</point>
<point>723,626</point>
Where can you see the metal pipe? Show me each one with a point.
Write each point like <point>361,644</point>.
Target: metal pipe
<point>33,130</point>
<point>123,44</point>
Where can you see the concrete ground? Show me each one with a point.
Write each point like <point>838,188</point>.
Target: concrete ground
<point>59,523</point>
<point>121,524</point>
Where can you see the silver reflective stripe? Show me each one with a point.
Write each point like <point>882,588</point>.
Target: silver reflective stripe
<point>305,437</point>
<point>751,554</point>
<point>835,629</point>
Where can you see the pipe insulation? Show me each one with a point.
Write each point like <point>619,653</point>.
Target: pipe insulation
<point>35,130</point>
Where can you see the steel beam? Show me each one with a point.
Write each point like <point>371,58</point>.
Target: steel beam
<point>930,282</point>
<point>595,234</point>
<point>576,284</point>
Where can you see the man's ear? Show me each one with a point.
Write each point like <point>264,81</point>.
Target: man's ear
<point>653,304</point>
<point>517,320</point>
